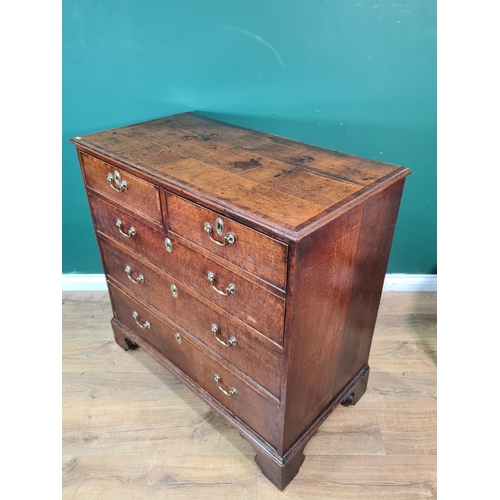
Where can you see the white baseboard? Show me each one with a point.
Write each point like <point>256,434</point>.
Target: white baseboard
<point>392,282</point>
<point>83,283</point>
<point>410,283</point>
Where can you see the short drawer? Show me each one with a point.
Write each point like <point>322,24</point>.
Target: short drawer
<point>137,237</point>
<point>122,187</point>
<point>212,374</point>
<point>253,251</point>
<point>252,304</point>
<point>240,345</point>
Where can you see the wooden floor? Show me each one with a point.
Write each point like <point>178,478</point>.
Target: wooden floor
<point>132,431</point>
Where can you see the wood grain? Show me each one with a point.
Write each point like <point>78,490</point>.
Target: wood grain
<point>200,366</point>
<point>140,196</point>
<point>132,430</point>
<point>373,247</point>
<point>338,165</point>
<point>254,354</point>
<point>261,200</point>
<point>261,310</point>
<point>252,251</point>
<point>353,431</point>
<point>306,270</point>
<point>243,169</point>
<point>321,283</point>
<point>147,242</point>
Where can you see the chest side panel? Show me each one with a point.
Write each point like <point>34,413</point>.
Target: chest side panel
<point>375,239</point>
<point>323,274</point>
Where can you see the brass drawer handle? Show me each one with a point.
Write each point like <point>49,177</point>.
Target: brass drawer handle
<point>231,341</point>
<point>116,182</point>
<point>231,392</point>
<point>219,227</point>
<point>231,289</point>
<point>139,279</point>
<point>144,325</point>
<point>129,233</point>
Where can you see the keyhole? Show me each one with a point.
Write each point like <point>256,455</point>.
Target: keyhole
<point>219,226</point>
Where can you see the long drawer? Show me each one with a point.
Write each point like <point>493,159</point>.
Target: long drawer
<point>245,348</point>
<point>212,374</point>
<point>255,306</point>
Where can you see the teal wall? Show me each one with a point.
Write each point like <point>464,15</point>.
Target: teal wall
<point>352,75</point>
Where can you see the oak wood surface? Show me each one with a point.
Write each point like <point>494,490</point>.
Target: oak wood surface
<point>251,250</point>
<point>372,254</point>
<point>140,196</point>
<point>338,274</point>
<point>270,178</point>
<point>131,430</point>
<point>321,282</point>
<point>201,367</point>
<point>337,218</point>
<point>254,354</point>
<point>149,242</point>
<point>334,164</point>
<point>258,308</point>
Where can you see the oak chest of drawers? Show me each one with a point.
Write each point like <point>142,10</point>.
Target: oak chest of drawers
<point>249,265</point>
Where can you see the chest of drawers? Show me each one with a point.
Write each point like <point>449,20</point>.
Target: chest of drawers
<point>249,265</point>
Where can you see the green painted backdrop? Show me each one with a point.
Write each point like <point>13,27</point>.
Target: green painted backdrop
<point>352,75</point>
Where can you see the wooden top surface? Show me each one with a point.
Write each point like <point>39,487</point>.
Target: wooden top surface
<point>261,177</point>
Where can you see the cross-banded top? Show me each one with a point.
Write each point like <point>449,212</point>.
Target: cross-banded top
<point>283,184</point>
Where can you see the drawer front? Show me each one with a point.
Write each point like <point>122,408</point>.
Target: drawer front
<point>252,304</point>
<point>136,194</point>
<point>138,237</point>
<point>255,252</point>
<point>239,344</point>
<point>248,404</point>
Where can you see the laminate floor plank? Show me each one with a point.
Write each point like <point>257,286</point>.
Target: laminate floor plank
<point>367,477</point>
<point>131,430</point>
<point>408,432</point>
<point>353,431</point>
<point>86,315</point>
<point>403,356</point>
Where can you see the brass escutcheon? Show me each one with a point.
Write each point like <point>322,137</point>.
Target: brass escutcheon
<point>230,238</point>
<point>168,245</point>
